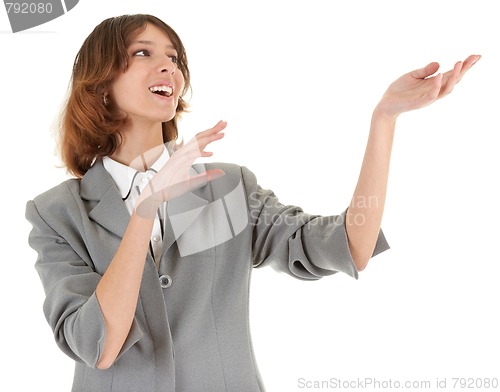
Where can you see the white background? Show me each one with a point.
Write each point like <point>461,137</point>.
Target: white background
<point>297,83</point>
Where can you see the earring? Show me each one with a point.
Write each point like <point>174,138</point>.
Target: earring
<point>105,100</point>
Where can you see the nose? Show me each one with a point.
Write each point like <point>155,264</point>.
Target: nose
<point>167,65</point>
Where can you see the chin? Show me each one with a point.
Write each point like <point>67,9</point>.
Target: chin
<point>167,119</point>
<point>169,115</point>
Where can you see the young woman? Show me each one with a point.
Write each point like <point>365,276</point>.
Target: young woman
<point>145,257</point>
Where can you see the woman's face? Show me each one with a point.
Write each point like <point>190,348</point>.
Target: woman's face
<point>148,91</point>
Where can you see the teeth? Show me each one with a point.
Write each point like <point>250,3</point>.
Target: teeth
<point>165,89</point>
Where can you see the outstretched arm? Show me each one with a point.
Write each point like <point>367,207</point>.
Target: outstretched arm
<point>411,91</point>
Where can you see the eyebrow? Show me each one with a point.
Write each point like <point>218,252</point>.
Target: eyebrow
<point>145,42</point>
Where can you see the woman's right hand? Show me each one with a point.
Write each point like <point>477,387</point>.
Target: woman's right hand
<point>173,180</point>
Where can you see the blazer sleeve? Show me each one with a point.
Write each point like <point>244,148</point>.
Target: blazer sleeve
<point>69,281</point>
<point>305,246</point>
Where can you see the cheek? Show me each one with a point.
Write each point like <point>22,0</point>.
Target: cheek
<point>121,95</point>
<point>118,90</point>
<point>179,82</point>
<point>123,88</point>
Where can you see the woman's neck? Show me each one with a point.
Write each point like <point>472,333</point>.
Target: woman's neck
<point>136,141</point>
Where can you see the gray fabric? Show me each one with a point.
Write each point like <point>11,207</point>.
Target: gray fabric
<point>193,335</point>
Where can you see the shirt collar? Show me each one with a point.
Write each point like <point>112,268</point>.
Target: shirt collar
<point>124,175</point>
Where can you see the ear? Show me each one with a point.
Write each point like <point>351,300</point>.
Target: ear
<point>102,90</point>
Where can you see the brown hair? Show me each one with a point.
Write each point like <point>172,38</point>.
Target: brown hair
<point>89,127</point>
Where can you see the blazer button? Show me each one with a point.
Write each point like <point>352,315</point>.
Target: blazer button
<point>165,281</point>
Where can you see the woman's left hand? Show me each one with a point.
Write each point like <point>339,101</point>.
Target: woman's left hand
<point>418,88</point>
<point>173,179</point>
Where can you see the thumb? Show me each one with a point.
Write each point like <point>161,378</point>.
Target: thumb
<point>428,70</point>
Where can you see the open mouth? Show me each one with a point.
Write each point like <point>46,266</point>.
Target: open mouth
<point>165,91</point>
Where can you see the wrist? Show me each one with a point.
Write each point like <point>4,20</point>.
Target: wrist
<point>146,207</point>
<point>383,113</point>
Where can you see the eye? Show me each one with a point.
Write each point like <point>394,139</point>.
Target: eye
<point>173,58</point>
<point>141,53</point>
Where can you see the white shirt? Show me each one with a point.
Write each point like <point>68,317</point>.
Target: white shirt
<point>130,183</point>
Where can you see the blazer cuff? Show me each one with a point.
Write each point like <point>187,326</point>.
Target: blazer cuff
<point>86,333</point>
<point>321,249</point>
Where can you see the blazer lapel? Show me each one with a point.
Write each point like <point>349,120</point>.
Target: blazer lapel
<point>109,211</point>
<point>182,211</point>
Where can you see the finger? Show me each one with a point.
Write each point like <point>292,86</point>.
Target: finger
<point>191,184</point>
<point>467,64</point>
<point>471,60</point>
<point>147,207</point>
<point>198,146</point>
<point>220,125</point>
<point>211,134</point>
<point>435,86</point>
<point>209,138</point>
<point>189,152</point>
<point>195,147</point>
<point>204,141</point>
<point>213,174</point>
<point>450,79</point>
<point>215,129</point>
<point>179,189</point>
<point>423,73</point>
<point>205,137</point>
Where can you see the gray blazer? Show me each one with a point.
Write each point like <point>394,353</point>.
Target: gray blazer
<point>191,327</point>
